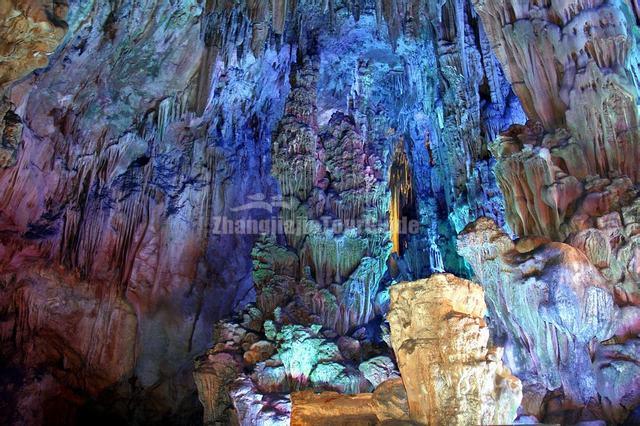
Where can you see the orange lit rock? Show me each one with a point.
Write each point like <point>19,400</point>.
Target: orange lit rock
<point>330,408</point>
<point>387,403</point>
<point>258,352</point>
<point>441,340</point>
<point>29,32</point>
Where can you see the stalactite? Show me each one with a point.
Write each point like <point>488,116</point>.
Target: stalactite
<point>402,195</point>
<point>170,110</point>
<point>435,258</point>
<point>279,14</point>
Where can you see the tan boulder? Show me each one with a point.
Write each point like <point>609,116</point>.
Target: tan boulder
<point>440,339</point>
<point>387,403</point>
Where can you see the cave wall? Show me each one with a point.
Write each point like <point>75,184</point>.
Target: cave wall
<point>362,101</point>
<point>112,201</point>
<point>155,120</point>
<point>563,296</point>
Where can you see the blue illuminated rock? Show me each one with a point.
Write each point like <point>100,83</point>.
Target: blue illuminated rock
<point>556,312</point>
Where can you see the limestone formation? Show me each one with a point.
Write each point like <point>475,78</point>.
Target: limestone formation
<point>157,120</point>
<point>224,181</point>
<point>450,373</point>
<point>289,359</point>
<point>253,407</point>
<point>330,408</point>
<point>213,376</point>
<point>564,296</point>
<point>78,148</point>
<point>331,172</point>
<point>10,134</point>
<point>558,312</point>
<point>52,315</point>
<point>441,340</point>
<point>387,403</point>
<point>572,64</point>
<point>30,31</point>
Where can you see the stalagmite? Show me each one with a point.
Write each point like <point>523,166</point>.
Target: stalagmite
<point>213,375</point>
<point>440,337</point>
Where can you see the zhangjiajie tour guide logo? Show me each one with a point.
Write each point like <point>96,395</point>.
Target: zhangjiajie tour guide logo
<point>249,219</point>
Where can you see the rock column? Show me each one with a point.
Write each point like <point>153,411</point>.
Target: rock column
<point>441,340</point>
